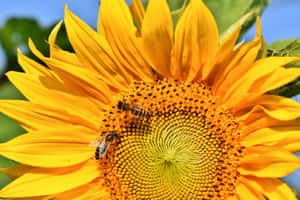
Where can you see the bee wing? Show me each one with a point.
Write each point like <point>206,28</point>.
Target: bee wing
<point>103,149</point>
<point>94,143</point>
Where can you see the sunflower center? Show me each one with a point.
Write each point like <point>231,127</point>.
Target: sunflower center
<point>174,142</point>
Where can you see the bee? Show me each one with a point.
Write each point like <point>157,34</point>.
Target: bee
<point>103,144</point>
<point>135,110</point>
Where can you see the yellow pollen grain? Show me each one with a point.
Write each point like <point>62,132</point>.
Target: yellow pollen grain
<point>187,147</point>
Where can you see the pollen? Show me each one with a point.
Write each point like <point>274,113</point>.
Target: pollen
<point>186,146</point>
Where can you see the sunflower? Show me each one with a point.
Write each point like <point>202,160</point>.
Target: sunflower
<point>138,112</point>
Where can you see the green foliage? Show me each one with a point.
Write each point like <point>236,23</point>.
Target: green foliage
<point>15,33</point>
<point>288,47</point>
<point>9,91</point>
<point>9,128</point>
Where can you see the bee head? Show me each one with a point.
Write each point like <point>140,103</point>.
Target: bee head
<point>114,133</point>
<point>110,137</point>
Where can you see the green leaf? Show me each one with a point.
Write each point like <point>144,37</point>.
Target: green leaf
<point>227,12</point>
<point>281,45</point>
<point>290,90</point>
<point>235,25</point>
<point>6,163</point>
<point>257,7</point>
<point>4,180</point>
<point>288,47</point>
<point>230,13</point>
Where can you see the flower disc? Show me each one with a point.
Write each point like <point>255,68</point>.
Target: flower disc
<point>185,146</point>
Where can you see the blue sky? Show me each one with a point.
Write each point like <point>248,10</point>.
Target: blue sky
<point>279,21</point>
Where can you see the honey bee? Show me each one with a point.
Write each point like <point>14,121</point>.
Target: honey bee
<point>103,144</point>
<point>135,110</point>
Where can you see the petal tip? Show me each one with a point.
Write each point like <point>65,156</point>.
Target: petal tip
<point>67,11</point>
<point>258,26</point>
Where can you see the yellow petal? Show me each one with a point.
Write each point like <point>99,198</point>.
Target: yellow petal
<point>260,121</point>
<point>280,107</point>
<point>16,171</point>
<point>291,144</point>
<point>119,30</point>
<point>31,67</point>
<point>59,54</point>
<point>85,80</point>
<point>91,191</point>
<point>248,191</point>
<point>272,188</point>
<point>30,198</point>
<point>196,42</point>
<point>234,197</point>
<point>277,107</point>
<point>268,162</point>
<point>138,12</point>
<point>34,91</point>
<point>255,120</point>
<point>64,83</point>
<point>272,135</point>
<point>92,49</point>
<point>224,55</point>
<point>57,148</point>
<point>157,35</point>
<point>227,46</point>
<point>125,18</point>
<point>39,182</point>
<point>247,83</point>
<point>244,56</point>
<point>285,136</point>
<point>278,78</point>
<point>95,79</point>
<point>53,34</point>
<point>45,76</point>
<point>34,116</point>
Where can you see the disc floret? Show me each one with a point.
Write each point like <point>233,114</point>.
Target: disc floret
<point>188,147</point>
